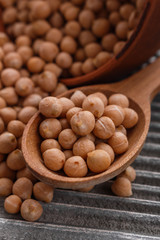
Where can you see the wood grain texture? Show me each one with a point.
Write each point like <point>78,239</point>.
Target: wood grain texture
<point>140,88</point>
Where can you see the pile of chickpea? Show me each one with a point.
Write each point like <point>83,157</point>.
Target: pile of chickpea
<point>43,41</point>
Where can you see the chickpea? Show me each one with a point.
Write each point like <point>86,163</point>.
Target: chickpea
<point>31,210</point>
<point>61,88</point>
<point>107,148</point>
<point>23,188</point>
<point>130,118</point>
<point>92,49</point>
<point>116,113</point>
<point>12,204</point>
<point>118,47</point>
<point>76,69</point>
<point>101,96</point>
<point>9,76</point>
<point>94,105</point>
<point>26,113</point>
<point>86,37</point>
<point>8,114</point>
<point>50,107</point>
<point>64,60</point>
<point>64,6</point>
<point>126,10</point>
<point>91,137</point>
<point>122,187</point>
<point>54,159</point>
<point>68,44</point>
<point>68,154</point>
<point>43,192</point>
<point>29,31</point>
<point>80,55</point>
<point>7,3</point>
<point>121,129</point>
<point>102,58</point>
<point>47,81</point>
<point>2,103</point>
<point>35,64</point>
<point>100,27</point>
<point>72,28</point>
<point>121,30</point>
<point>133,20</point>
<point>2,126</point>
<point>53,68</point>
<point>64,123</point>
<point>24,86</point>
<point>41,10</point>
<point>98,161</point>
<point>13,60</point>
<point>113,5</point>
<point>5,187</point>
<point>67,138</point>
<point>86,18</point>
<point>9,47</point>
<point>16,127</point>
<point>49,144</point>
<point>9,95</point>
<point>9,15</point>
<point>94,5</point>
<point>48,51</point>
<point>129,173</point>
<point>104,128</point>
<point>119,99</point>
<point>82,147</point>
<point>54,35</point>
<point>140,4</point>
<point>71,13</point>
<point>3,38</point>
<point>57,20</point>
<point>25,52</point>
<point>75,167</point>
<point>36,45</point>
<point>6,172</point>
<point>32,100</point>
<point>66,105</point>
<point>39,91</point>
<point>24,73</point>
<point>25,172</point>
<point>40,27</point>
<point>88,66</point>
<point>15,160</point>
<point>23,40</point>
<point>118,142</point>
<point>46,128</point>
<point>108,42</point>
<point>54,4</point>
<point>82,123</point>
<point>77,98</point>
<point>71,112</point>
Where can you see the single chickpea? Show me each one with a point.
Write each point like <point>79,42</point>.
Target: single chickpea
<point>118,142</point>
<point>52,67</point>
<point>86,18</point>
<point>18,29</point>
<point>25,172</point>
<point>101,96</point>
<point>130,119</point>
<point>54,159</point>
<point>80,55</point>
<point>9,15</point>
<point>12,204</point>
<point>104,128</point>
<point>107,148</point>
<point>82,123</point>
<point>5,187</point>
<point>140,4</point>
<point>50,107</point>
<point>23,40</point>
<point>2,126</point>
<point>94,105</point>
<point>36,45</point>
<point>86,37</point>
<point>121,129</point>
<point>119,99</point>
<point>92,49</point>
<point>40,27</point>
<point>64,6</point>
<point>72,28</point>
<point>75,167</point>
<point>22,188</point>
<point>23,16</point>
<point>82,147</point>
<point>108,42</point>
<point>15,160</point>
<point>88,66</point>
<point>64,60</point>
<point>116,113</point>
<point>46,128</point>
<point>8,114</point>
<point>16,127</point>
<point>48,51</point>
<point>32,100</point>
<point>71,13</point>
<point>94,5</point>
<point>29,31</point>
<point>122,187</point>
<point>31,210</point>
<point>54,5</point>
<point>48,144</point>
<point>47,81</point>
<point>102,58</point>
<point>25,52</point>
<point>61,88</point>
<point>118,47</point>
<point>6,172</point>
<point>24,86</point>
<point>43,192</point>
<point>57,20</point>
<point>100,27</point>
<point>35,64</point>
<point>113,5</point>
<point>66,105</point>
<point>68,154</point>
<point>26,113</point>
<point>9,95</point>
<point>85,189</point>
<point>133,19</point>
<point>54,35</point>
<point>67,138</point>
<point>64,123</point>
<point>9,76</point>
<point>9,47</point>
<point>98,161</point>
<point>129,173</point>
<point>2,103</point>
<point>41,10</point>
<point>126,10</point>
<point>71,112</point>
<point>122,30</point>
<point>77,98</point>
<point>8,142</point>
<point>76,69</point>
<point>68,44</point>
<point>13,60</point>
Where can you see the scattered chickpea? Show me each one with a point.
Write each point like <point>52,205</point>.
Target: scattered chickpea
<point>22,188</point>
<point>31,210</point>
<point>13,60</point>
<point>104,128</point>
<point>12,204</point>
<point>43,192</point>
<point>129,173</point>
<point>82,147</point>
<point>118,142</point>
<point>47,131</point>
<point>24,87</point>
<point>5,187</point>
<point>122,187</point>
<point>75,167</point>
<point>54,159</point>
<point>35,64</point>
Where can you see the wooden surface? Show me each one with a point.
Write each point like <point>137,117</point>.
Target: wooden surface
<point>140,88</point>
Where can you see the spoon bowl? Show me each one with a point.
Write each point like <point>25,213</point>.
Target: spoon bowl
<point>140,89</point>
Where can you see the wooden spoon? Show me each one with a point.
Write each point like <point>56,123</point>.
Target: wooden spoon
<point>140,88</point>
